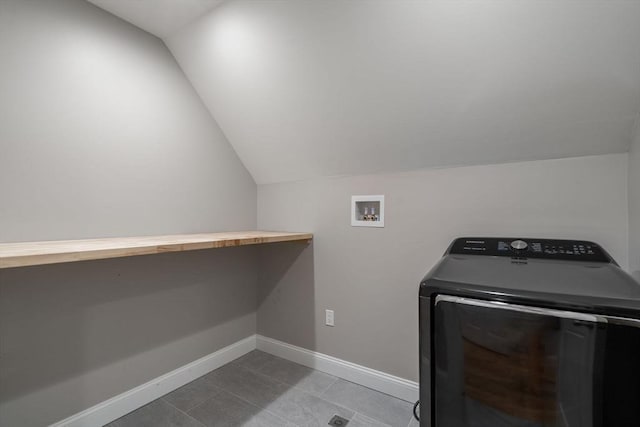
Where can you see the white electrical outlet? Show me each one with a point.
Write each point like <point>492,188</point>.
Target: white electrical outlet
<point>328,318</point>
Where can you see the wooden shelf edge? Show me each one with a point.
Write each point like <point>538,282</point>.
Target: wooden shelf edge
<point>24,254</point>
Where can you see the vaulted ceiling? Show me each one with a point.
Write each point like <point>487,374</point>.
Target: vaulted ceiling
<point>304,89</point>
<point>158,17</point>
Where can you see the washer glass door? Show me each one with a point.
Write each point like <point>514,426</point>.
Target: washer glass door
<point>505,365</point>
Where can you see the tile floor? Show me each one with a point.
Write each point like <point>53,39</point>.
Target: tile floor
<point>261,390</point>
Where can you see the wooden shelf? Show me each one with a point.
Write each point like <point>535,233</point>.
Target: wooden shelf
<point>51,252</point>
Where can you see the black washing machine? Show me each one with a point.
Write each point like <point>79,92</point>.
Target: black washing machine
<point>518,332</point>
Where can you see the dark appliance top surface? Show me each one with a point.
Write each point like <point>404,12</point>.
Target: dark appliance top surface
<point>568,250</point>
<point>589,278</point>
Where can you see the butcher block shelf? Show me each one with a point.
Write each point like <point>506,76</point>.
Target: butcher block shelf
<point>57,251</point>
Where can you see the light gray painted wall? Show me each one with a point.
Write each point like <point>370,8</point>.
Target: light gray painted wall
<point>74,335</point>
<point>102,135</point>
<point>634,204</point>
<point>370,276</point>
<point>308,89</point>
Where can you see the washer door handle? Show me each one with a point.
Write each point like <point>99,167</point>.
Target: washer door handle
<point>527,309</point>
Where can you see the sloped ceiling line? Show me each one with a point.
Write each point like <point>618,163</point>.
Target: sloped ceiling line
<point>311,89</point>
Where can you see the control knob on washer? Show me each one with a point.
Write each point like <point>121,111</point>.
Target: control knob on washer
<point>519,245</point>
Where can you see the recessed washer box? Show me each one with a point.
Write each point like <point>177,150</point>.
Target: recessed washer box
<point>367,211</point>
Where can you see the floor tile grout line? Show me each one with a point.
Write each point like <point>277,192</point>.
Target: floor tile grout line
<point>321,395</point>
<point>377,391</point>
<point>206,400</point>
<point>262,374</point>
<point>318,394</point>
<point>258,406</point>
<point>411,418</point>
<point>223,389</point>
<point>363,414</point>
<point>239,397</point>
<point>335,378</point>
<point>181,411</point>
<point>217,389</point>
<point>288,385</point>
<point>373,419</point>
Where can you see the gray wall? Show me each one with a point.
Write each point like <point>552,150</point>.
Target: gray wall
<point>309,89</point>
<point>74,335</point>
<point>634,204</point>
<point>370,276</point>
<point>102,135</point>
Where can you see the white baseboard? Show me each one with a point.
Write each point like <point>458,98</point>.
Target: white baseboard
<point>377,380</point>
<point>114,408</point>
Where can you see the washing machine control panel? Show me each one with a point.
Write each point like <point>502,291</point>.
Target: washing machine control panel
<point>577,250</point>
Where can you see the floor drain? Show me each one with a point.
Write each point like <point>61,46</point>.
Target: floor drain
<point>338,421</point>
